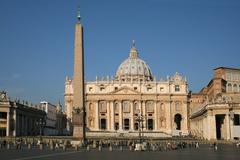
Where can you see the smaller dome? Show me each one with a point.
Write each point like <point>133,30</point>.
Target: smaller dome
<point>134,68</point>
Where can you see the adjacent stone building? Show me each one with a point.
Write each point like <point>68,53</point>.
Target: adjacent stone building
<point>215,111</point>
<point>19,118</point>
<point>61,125</point>
<point>55,119</point>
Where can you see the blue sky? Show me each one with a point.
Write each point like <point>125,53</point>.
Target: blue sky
<point>187,36</point>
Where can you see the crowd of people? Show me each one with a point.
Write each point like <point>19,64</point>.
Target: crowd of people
<point>145,145</point>
<point>111,144</point>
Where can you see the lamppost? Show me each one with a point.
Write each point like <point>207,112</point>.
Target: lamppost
<point>140,119</point>
<point>41,123</point>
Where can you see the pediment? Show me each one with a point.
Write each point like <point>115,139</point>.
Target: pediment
<point>125,90</point>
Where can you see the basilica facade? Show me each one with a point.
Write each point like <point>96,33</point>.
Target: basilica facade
<point>113,106</point>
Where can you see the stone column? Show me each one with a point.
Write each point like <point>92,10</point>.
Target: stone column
<point>112,115</point>
<point>23,125</point>
<point>155,116</point>
<point>15,122</point>
<point>144,114</point>
<point>132,117</point>
<point>8,124</point>
<point>26,123</point>
<point>96,116</point>
<point>171,117</point>
<point>228,132</point>
<point>20,125</point>
<point>108,116</point>
<point>120,116</point>
<point>211,128</point>
<point>231,126</point>
<point>17,125</point>
<point>185,128</point>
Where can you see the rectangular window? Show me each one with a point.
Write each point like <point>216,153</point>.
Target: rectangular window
<point>236,119</point>
<point>149,89</point>
<point>3,115</point>
<point>177,88</point>
<point>235,77</point>
<point>229,76</point>
<point>161,89</point>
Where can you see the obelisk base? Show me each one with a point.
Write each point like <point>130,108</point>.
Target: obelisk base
<point>78,126</point>
<point>78,132</point>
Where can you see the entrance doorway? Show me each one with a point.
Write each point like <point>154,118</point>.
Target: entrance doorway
<point>126,124</point>
<point>177,120</point>
<point>136,127</point>
<point>2,132</point>
<point>103,124</point>
<point>150,124</point>
<point>219,124</point>
<point>116,126</point>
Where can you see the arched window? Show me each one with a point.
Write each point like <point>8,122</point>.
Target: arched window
<point>136,108</point>
<point>162,107</point>
<point>235,88</point>
<point>229,87</point>
<point>126,106</point>
<point>116,107</point>
<point>103,106</point>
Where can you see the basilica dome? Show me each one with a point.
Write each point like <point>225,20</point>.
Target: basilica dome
<point>134,68</point>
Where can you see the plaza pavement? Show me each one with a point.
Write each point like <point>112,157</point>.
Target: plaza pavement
<point>224,152</point>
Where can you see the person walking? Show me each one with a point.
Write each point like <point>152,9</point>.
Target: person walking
<point>197,145</point>
<point>215,146</point>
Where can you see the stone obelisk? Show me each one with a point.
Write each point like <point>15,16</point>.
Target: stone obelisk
<point>78,83</point>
